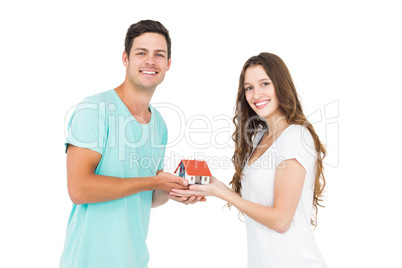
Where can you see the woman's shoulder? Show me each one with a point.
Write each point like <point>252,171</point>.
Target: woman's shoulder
<point>297,134</point>
<point>294,130</point>
<point>297,142</point>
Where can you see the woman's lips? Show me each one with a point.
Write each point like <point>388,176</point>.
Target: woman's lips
<point>261,104</point>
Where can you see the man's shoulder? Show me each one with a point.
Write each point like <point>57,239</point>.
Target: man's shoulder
<point>105,96</point>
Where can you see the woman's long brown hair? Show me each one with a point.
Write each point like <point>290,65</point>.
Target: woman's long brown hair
<point>247,122</point>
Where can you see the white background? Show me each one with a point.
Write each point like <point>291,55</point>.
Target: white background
<point>345,59</point>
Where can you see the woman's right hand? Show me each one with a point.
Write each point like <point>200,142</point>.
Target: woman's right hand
<point>214,188</point>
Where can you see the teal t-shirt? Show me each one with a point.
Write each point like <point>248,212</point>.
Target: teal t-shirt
<point>113,234</point>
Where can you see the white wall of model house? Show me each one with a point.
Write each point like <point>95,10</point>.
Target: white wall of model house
<point>193,179</point>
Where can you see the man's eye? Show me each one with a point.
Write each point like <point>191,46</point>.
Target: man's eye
<point>160,55</point>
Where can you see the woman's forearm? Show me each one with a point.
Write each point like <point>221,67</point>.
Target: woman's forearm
<point>272,217</point>
<point>268,216</point>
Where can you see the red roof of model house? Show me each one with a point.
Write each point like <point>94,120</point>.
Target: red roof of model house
<point>195,167</point>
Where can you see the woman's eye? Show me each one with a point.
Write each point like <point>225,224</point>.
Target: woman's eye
<point>248,88</point>
<point>265,84</point>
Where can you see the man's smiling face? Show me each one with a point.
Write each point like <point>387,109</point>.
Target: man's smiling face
<point>147,63</point>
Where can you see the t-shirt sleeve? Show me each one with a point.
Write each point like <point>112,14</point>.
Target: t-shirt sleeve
<point>297,144</point>
<point>86,128</point>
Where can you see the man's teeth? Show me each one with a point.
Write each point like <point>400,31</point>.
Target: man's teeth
<point>261,103</point>
<point>146,72</point>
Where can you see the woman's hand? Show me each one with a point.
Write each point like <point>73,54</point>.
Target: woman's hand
<point>214,188</point>
<point>160,197</point>
<point>186,200</point>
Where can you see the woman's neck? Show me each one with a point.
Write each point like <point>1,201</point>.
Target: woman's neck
<point>276,124</point>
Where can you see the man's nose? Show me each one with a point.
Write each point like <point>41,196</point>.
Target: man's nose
<point>150,60</point>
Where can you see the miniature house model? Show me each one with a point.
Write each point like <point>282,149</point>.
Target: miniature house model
<point>196,172</point>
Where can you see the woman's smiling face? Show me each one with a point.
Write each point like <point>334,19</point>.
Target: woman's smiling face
<point>260,92</point>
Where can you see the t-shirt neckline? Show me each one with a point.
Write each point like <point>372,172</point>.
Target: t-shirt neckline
<point>283,132</point>
<point>128,111</point>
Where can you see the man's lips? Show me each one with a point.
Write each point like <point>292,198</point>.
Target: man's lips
<point>261,104</point>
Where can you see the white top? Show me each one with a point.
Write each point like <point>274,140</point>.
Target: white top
<point>296,247</point>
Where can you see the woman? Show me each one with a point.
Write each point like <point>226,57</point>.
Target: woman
<point>279,168</point>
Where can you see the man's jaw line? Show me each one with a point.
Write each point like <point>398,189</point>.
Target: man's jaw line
<point>137,88</point>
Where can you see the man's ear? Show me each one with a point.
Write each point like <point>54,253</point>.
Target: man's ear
<point>168,65</point>
<point>125,59</point>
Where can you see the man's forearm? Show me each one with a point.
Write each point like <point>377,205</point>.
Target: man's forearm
<point>84,186</point>
<point>94,188</point>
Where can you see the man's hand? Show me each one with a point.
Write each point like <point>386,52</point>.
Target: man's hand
<point>166,181</point>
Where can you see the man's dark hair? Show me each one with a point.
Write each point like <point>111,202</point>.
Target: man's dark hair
<point>146,26</point>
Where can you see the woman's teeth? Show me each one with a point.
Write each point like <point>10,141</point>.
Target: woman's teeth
<point>258,104</point>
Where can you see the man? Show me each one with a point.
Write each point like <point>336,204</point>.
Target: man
<point>115,148</point>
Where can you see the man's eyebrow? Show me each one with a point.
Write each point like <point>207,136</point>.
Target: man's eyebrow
<point>145,49</point>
